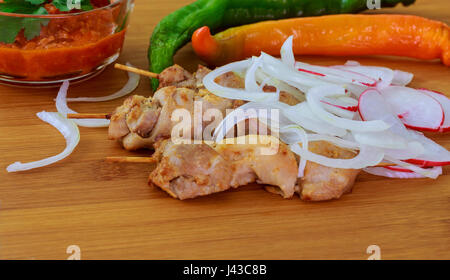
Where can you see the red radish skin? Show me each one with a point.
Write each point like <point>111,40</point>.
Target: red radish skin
<point>360,100</point>
<point>426,129</point>
<point>414,115</point>
<point>427,163</point>
<point>445,103</point>
<point>373,84</point>
<point>394,168</point>
<point>311,72</point>
<point>350,108</point>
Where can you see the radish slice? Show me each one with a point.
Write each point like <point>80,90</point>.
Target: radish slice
<point>63,109</point>
<point>416,110</point>
<point>372,106</point>
<point>67,128</point>
<point>130,86</point>
<point>344,103</point>
<point>383,75</point>
<point>316,94</point>
<point>387,172</point>
<point>432,173</point>
<point>395,168</point>
<point>434,155</point>
<point>402,78</point>
<point>445,103</point>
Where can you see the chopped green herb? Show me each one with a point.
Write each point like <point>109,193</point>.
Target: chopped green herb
<point>62,5</point>
<point>12,26</point>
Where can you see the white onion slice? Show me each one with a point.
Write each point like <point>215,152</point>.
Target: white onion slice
<point>232,93</point>
<point>63,109</point>
<point>250,77</point>
<point>274,67</point>
<point>367,156</point>
<point>130,86</point>
<point>383,139</point>
<point>298,134</point>
<point>343,143</point>
<point>67,128</point>
<point>316,94</point>
<point>287,53</point>
<point>302,115</point>
<point>265,79</point>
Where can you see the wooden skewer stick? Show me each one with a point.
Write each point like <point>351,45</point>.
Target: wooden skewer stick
<point>132,159</point>
<point>136,70</point>
<point>89,116</point>
<point>154,160</point>
<point>385,164</point>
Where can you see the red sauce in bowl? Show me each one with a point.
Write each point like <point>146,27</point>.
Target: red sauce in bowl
<point>68,46</point>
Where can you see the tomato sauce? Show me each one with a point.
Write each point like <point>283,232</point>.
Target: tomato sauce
<point>68,46</point>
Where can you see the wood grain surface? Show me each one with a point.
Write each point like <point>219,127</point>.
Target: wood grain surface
<point>110,212</point>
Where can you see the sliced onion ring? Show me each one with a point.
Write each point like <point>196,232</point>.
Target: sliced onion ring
<point>367,156</point>
<point>63,109</point>
<point>232,93</point>
<point>67,128</point>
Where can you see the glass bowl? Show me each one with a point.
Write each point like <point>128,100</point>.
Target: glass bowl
<point>70,46</point>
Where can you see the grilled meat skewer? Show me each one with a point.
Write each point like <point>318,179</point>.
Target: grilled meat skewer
<point>191,170</point>
<point>141,122</point>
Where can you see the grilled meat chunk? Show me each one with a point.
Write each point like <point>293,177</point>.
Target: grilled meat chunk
<point>325,183</point>
<point>189,170</point>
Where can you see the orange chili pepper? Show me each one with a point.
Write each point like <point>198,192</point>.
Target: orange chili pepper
<point>335,35</point>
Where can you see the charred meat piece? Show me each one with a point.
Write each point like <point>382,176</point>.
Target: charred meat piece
<point>189,170</point>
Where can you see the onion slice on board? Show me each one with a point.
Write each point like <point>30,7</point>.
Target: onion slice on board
<point>63,109</point>
<point>67,128</point>
<point>130,86</point>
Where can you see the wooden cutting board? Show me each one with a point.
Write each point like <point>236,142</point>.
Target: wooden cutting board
<point>110,212</point>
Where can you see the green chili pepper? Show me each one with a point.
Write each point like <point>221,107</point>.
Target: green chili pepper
<point>176,29</point>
